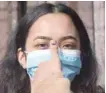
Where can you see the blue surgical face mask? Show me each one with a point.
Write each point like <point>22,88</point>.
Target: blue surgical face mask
<point>70,61</point>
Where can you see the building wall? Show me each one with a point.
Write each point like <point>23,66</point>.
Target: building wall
<point>91,12</point>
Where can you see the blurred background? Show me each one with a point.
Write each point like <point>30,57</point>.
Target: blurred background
<point>92,14</point>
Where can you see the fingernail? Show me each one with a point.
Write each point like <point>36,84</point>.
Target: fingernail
<point>53,42</point>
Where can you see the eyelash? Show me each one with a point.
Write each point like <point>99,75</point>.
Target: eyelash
<point>69,46</point>
<point>42,46</point>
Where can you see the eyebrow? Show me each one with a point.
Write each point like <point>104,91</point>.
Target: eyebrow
<point>68,37</point>
<point>43,37</point>
<point>62,39</point>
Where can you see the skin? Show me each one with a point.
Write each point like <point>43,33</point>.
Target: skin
<point>54,26</point>
<point>57,30</point>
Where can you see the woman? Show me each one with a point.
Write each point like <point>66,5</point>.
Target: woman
<point>48,27</point>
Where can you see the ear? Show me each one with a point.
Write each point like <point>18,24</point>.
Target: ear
<point>21,58</point>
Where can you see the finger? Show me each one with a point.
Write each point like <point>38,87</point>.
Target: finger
<point>54,53</point>
<point>54,49</point>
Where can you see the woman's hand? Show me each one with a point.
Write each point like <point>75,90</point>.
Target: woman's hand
<point>49,78</point>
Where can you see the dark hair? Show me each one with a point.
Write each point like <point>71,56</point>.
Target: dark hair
<point>14,79</point>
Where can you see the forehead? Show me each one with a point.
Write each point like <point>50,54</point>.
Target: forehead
<point>53,25</point>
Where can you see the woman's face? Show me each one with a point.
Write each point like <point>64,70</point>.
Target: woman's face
<point>53,26</point>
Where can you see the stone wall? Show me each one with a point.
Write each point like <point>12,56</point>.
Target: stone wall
<point>8,19</point>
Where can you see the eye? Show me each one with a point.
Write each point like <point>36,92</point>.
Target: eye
<point>42,46</point>
<point>69,46</point>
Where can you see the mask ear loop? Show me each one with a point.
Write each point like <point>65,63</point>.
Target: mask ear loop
<point>25,53</point>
